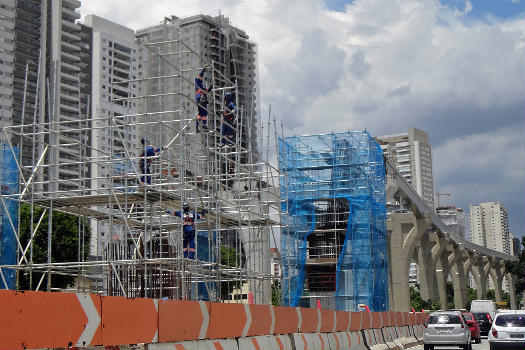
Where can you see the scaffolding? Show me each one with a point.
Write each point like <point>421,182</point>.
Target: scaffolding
<point>333,240</point>
<point>143,256</point>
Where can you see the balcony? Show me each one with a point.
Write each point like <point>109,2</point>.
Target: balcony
<point>71,36</point>
<point>69,55</point>
<point>75,27</point>
<point>70,46</point>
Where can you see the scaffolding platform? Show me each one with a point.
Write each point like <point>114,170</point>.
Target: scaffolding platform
<point>136,247</point>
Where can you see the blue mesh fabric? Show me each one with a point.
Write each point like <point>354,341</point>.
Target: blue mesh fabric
<point>340,168</point>
<point>9,183</point>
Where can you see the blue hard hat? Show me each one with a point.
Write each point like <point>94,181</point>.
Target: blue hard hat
<point>185,207</point>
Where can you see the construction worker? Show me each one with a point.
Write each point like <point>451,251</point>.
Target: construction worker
<point>227,130</point>
<point>188,231</point>
<point>146,159</point>
<point>201,99</point>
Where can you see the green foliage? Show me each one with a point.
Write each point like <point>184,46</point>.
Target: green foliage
<point>472,294</point>
<point>450,296</point>
<point>276,293</point>
<point>516,268</point>
<point>230,258</point>
<point>64,242</point>
<point>418,303</point>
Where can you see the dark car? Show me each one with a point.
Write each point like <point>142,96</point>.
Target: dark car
<point>484,321</point>
<point>474,327</point>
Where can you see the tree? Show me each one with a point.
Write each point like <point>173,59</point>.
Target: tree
<point>418,303</point>
<point>229,258</point>
<point>516,268</point>
<point>276,293</point>
<point>64,242</point>
<point>472,294</point>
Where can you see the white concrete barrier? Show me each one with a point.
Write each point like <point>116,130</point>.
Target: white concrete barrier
<point>388,336</point>
<point>358,343</point>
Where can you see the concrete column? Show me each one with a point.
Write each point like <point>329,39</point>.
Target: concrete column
<point>512,291</point>
<point>427,270</point>
<point>442,275</point>
<point>496,272</point>
<point>405,233</point>
<point>459,279</point>
<point>433,278</point>
<point>481,281</point>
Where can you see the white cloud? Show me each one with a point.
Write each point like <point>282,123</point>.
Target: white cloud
<point>381,65</point>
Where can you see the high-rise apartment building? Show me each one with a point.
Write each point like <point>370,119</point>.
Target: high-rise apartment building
<point>7,36</point>
<point>412,156</point>
<point>113,70</point>
<point>212,39</point>
<point>453,218</point>
<point>46,84</point>
<point>489,226</point>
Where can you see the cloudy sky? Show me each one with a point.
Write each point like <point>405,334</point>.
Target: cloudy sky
<point>453,68</point>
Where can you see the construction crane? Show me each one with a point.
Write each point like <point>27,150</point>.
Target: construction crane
<point>441,194</point>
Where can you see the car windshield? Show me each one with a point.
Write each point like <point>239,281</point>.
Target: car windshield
<point>481,316</point>
<point>516,320</point>
<point>444,319</point>
<point>468,317</point>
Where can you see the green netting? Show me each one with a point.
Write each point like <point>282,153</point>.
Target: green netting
<point>8,213</point>
<point>334,233</point>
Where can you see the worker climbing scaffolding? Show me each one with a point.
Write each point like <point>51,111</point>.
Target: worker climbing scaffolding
<point>201,99</point>
<point>188,231</point>
<point>227,130</point>
<point>145,160</point>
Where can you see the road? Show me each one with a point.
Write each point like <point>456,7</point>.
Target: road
<point>483,346</point>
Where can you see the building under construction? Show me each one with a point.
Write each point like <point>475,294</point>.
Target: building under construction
<point>333,240</point>
<point>142,253</point>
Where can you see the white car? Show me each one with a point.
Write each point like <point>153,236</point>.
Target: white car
<point>508,330</point>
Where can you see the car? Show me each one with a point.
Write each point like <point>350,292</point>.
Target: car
<point>484,321</point>
<point>487,306</point>
<point>446,328</point>
<point>508,330</point>
<point>475,333</point>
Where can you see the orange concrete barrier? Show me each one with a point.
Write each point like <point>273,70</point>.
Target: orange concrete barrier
<point>286,320</point>
<point>226,320</point>
<point>309,320</point>
<point>356,320</point>
<point>129,321</point>
<point>261,320</point>
<point>173,327</point>
<point>376,319</point>
<point>342,321</point>
<point>366,320</point>
<point>328,321</point>
<point>47,320</point>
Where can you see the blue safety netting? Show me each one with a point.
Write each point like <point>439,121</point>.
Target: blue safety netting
<point>334,219</point>
<point>9,217</point>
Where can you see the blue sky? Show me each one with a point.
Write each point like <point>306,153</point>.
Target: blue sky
<point>481,9</point>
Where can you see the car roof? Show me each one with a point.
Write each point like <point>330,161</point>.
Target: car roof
<point>510,312</point>
<point>444,312</point>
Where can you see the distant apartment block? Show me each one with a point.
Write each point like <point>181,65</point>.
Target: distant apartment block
<point>412,156</point>
<point>489,226</point>
<point>515,245</point>
<point>40,45</point>
<point>113,71</point>
<point>7,36</point>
